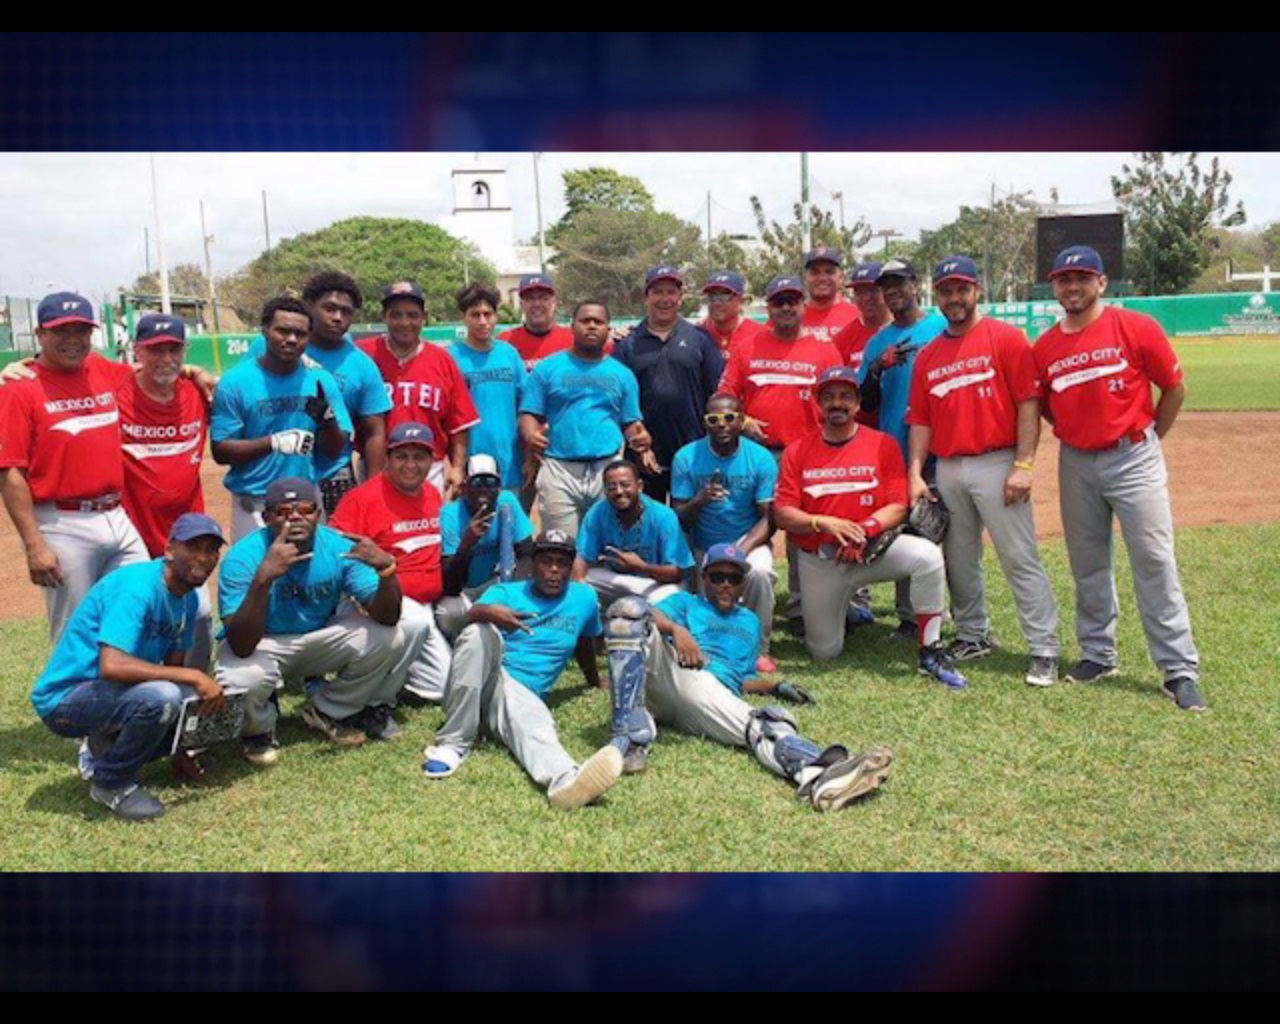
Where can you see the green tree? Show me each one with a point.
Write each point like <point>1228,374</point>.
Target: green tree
<point>1001,237</point>
<point>784,247</point>
<point>375,251</point>
<point>724,253</point>
<point>1171,207</point>
<point>186,279</point>
<point>603,187</point>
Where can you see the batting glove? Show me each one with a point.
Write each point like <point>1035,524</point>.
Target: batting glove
<point>293,442</point>
<point>793,694</point>
<point>318,407</point>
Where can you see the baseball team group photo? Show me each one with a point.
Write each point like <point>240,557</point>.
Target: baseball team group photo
<point>631,546</point>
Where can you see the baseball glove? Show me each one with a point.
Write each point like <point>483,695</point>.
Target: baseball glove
<point>929,518</point>
<point>879,544</point>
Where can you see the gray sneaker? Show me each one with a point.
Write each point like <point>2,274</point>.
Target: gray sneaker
<point>341,733</point>
<point>597,774</point>
<point>1184,692</point>
<point>1042,672</point>
<point>970,650</point>
<point>129,801</point>
<point>1086,671</point>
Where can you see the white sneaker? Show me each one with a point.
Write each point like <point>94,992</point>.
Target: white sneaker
<point>596,776</point>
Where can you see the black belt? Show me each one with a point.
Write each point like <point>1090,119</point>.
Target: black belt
<point>103,503</point>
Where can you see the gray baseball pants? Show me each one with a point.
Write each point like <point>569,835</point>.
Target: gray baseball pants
<point>610,586</point>
<point>423,667</point>
<point>567,489</point>
<point>973,488</point>
<point>1131,483</point>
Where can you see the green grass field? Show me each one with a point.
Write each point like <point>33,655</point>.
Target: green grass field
<point>1231,373</point>
<point>1000,777</point>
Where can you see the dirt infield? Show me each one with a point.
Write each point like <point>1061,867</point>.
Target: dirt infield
<point>1213,483</point>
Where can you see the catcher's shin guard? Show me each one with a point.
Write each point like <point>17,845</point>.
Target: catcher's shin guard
<point>773,737</point>
<point>626,632</point>
<point>506,543</point>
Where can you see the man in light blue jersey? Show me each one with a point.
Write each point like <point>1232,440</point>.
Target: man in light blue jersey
<point>282,595</point>
<point>117,676</point>
<point>520,638</point>
<point>495,377</point>
<point>275,416</point>
<point>578,410</point>
<point>687,662</point>
<point>722,487</point>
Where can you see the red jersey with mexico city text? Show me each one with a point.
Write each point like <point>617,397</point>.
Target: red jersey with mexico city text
<point>825,323</point>
<point>967,389</point>
<point>163,444</point>
<point>773,380</point>
<point>428,388</point>
<point>1097,382</point>
<point>741,335</point>
<point>64,430</point>
<point>533,348</point>
<point>404,525</point>
<point>849,480</point>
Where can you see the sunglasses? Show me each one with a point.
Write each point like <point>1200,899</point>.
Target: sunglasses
<point>786,300</point>
<point>303,508</point>
<point>720,578</point>
<point>714,419</point>
<point>722,296</point>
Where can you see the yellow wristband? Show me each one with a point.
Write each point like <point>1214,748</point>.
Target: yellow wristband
<point>814,525</point>
<point>1028,466</point>
<point>388,571</point>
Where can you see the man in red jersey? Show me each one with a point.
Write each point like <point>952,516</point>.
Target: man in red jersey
<point>724,291</point>
<point>772,377</point>
<point>538,336</point>
<point>842,486</point>
<point>63,474</point>
<point>400,513</point>
<point>873,314</point>
<point>423,383</point>
<point>827,310</point>
<point>1097,368</point>
<point>975,404</point>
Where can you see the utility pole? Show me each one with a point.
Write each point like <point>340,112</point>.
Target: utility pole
<point>806,229</point>
<point>708,223</point>
<point>886,234</point>
<point>146,249</point>
<point>986,256</point>
<point>266,230</point>
<point>208,271</point>
<point>839,197</point>
<point>537,202</point>
<point>166,306</point>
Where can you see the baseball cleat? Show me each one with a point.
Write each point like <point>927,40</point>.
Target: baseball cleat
<point>1184,692</point>
<point>847,780</point>
<point>1043,671</point>
<point>341,733</point>
<point>936,663</point>
<point>1086,671</point>
<point>636,759</point>
<point>378,723</point>
<point>970,650</point>
<point>859,615</point>
<point>129,801</point>
<point>261,750</point>
<point>440,762</point>
<point>597,775</point>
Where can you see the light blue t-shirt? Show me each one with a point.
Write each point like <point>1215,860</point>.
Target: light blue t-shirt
<point>252,402</point>
<point>895,383</point>
<point>656,537</point>
<point>359,380</point>
<point>750,474</point>
<point>306,597</point>
<point>538,659</point>
<point>455,517</point>
<point>585,404</point>
<point>730,641</point>
<point>131,610</point>
<point>496,381</point>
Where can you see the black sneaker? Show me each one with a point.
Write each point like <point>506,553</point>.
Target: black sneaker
<point>1086,671</point>
<point>262,750</point>
<point>1184,692</point>
<point>970,650</point>
<point>378,723</point>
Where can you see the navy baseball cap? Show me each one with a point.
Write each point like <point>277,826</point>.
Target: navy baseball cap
<point>956,268</point>
<point>865,274</point>
<point>666,272</point>
<point>726,280</point>
<point>783,284</point>
<point>65,308</point>
<point>536,282</point>
<point>823,254</point>
<point>290,488</point>
<point>555,540</point>
<point>403,290</point>
<point>157,327</point>
<point>836,375</point>
<point>1077,258</point>
<point>897,268</point>
<point>190,525</point>
<point>725,554</point>
<point>411,433</point>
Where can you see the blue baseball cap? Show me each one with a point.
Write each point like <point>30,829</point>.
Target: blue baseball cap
<point>64,308</point>
<point>725,554</point>
<point>290,488</point>
<point>956,268</point>
<point>666,272</point>
<point>536,282</point>
<point>404,290</point>
<point>836,375</point>
<point>897,268</point>
<point>823,254</point>
<point>190,525</point>
<point>865,274</point>
<point>411,433</point>
<point>726,280</point>
<point>1079,258</point>
<point>783,284</point>
<point>157,327</point>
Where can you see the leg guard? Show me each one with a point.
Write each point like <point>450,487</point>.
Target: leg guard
<point>627,625</point>
<point>773,737</point>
